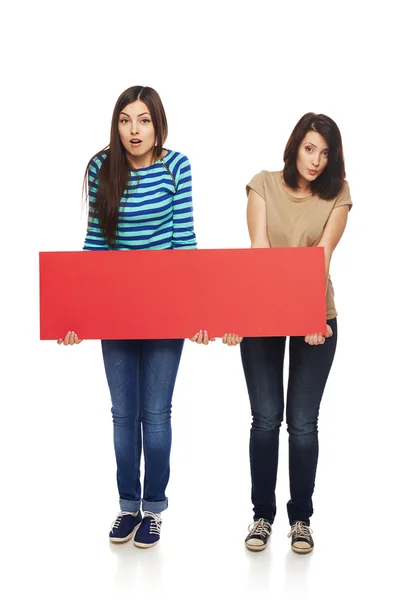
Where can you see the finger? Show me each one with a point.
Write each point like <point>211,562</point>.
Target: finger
<point>200,337</point>
<point>307,339</point>
<point>194,338</point>
<point>225,338</point>
<point>205,338</point>
<point>66,339</point>
<point>321,339</point>
<point>77,340</point>
<point>60,341</point>
<point>329,331</point>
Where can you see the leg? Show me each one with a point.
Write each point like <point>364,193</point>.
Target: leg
<point>308,372</point>
<point>161,360</point>
<point>122,365</point>
<point>262,360</point>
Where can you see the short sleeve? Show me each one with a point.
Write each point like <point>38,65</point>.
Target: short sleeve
<point>344,198</point>
<point>257,184</point>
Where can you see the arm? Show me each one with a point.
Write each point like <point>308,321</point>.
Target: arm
<point>183,236</point>
<point>257,220</point>
<point>94,239</point>
<point>257,226</point>
<point>333,231</point>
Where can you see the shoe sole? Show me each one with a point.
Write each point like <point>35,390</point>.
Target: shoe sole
<point>126,539</point>
<point>302,550</point>
<point>255,548</point>
<point>140,545</point>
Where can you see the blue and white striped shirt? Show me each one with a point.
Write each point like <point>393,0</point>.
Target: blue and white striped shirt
<point>154,214</point>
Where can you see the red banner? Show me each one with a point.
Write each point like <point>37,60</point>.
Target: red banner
<point>155,294</point>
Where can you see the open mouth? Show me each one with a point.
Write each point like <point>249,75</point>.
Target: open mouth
<point>135,141</point>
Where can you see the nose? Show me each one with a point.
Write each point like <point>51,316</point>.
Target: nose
<point>134,127</point>
<point>315,160</point>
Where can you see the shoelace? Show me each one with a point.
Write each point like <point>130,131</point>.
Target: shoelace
<point>260,527</point>
<point>117,521</point>
<point>300,529</point>
<point>155,522</point>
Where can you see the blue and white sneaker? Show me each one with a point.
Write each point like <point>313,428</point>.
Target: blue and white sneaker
<point>124,526</point>
<point>148,532</point>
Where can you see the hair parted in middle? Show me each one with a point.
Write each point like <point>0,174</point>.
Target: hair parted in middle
<point>330,182</point>
<point>114,173</point>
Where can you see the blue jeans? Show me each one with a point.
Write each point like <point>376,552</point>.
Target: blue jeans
<point>141,376</point>
<point>309,368</point>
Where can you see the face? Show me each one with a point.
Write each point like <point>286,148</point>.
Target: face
<point>312,157</point>
<point>136,131</point>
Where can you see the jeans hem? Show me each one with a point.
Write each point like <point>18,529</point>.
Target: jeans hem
<point>129,505</point>
<point>155,507</point>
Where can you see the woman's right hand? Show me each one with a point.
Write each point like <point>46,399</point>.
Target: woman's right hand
<point>201,337</point>
<point>70,339</point>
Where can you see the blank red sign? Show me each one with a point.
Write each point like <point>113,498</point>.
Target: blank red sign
<point>144,294</point>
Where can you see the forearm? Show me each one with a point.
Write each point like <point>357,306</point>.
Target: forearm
<point>327,260</point>
<point>260,241</point>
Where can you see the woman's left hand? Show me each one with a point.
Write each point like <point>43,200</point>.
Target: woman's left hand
<point>231,339</point>
<point>315,339</point>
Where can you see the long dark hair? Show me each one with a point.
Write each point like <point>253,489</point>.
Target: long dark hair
<point>114,173</point>
<point>330,182</point>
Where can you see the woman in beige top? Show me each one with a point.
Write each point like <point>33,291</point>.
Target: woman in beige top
<point>306,204</point>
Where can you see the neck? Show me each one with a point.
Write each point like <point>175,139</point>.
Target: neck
<point>303,185</point>
<point>141,162</point>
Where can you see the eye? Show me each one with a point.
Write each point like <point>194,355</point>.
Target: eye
<point>308,149</point>
<point>326,153</point>
<point>123,121</point>
<point>145,121</point>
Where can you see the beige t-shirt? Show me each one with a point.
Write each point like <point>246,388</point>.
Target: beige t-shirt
<point>297,222</point>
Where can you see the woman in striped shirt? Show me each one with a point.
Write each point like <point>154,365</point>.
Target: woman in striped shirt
<point>140,198</point>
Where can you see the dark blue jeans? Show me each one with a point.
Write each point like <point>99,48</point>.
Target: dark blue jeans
<point>141,376</point>
<point>309,368</point>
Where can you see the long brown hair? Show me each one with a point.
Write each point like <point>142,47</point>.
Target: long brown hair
<point>114,173</point>
<point>330,182</point>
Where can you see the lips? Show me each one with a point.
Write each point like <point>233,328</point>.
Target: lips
<point>135,141</point>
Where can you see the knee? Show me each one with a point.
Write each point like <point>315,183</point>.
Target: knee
<point>124,418</point>
<point>302,428</point>
<point>156,420</point>
<point>266,422</point>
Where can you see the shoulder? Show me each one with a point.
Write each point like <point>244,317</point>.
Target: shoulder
<point>261,181</point>
<point>96,163</point>
<point>176,161</point>
<point>266,176</point>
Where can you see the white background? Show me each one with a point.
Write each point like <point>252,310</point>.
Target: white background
<point>234,77</point>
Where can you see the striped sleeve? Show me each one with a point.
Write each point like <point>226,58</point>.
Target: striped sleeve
<point>94,239</point>
<point>183,236</point>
